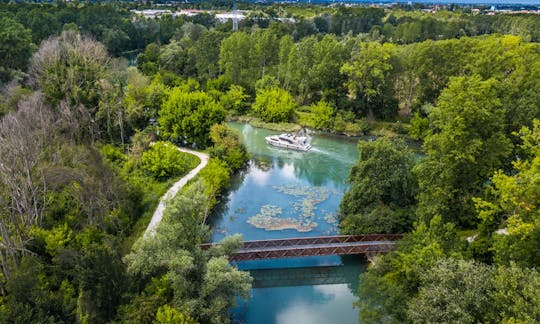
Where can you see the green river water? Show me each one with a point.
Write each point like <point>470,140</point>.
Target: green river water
<point>282,194</point>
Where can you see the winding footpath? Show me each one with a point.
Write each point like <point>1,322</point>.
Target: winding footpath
<point>158,214</point>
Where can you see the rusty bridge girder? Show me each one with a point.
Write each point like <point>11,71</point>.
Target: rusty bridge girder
<point>314,246</point>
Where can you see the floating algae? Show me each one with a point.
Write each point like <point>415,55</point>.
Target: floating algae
<point>268,219</point>
<point>313,196</point>
<point>330,218</point>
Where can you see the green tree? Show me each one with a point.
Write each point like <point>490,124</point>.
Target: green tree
<point>234,100</point>
<point>397,276</point>
<point>512,203</point>
<point>322,115</point>
<point>466,146</point>
<point>188,116</point>
<point>163,161</point>
<point>221,285</point>
<point>16,47</point>
<point>169,315</point>
<point>235,59</point>
<point>274,105</point>
<point>216,177</point>
<point>367,73</point>
<point>382,190</point>
<point>453,291</point>
<point>517,295</point>
<point>228,147</point>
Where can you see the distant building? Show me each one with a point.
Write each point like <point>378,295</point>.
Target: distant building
<point>151,13</point>
<point>226,16</point>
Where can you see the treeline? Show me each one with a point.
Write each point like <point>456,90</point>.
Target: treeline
<point>469,205</point>
<point>79,181</point>
<point>350,77</point>
<point>79,178</point>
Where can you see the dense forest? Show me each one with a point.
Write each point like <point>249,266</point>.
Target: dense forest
<point>92,94</point>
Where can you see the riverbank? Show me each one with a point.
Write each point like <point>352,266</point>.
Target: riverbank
<point>356,129</point>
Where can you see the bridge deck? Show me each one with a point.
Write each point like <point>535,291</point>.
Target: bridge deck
<point>312,246</point>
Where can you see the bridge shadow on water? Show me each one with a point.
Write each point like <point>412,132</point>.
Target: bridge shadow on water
<point>345,273</point>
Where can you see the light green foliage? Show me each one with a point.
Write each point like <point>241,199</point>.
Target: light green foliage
<point>397,276</point>
<point>201,289</point>
<point>383,188</point>
<point>368,71</point>
<point>217,178</point>
<point>322,115</point>
<point>235,60</point>
<point>221,285</point>
<point>228,147</point>
<point>206,52</point>
<point>513,204</point>
<point>16,47</point>
<point>163,160</point>
<point>55,239</point>
<point>463,291</point>
<point>274,105</point>
<point>173,57</point>
<point>467,144</point>
<point>234,100</point>
<point>517,295</point>
<point>143,99</point>
<point>169,315</point>
<point>419,127</point>
<point>189,116</point>
<point>175,238</point>
<point>228,246</point>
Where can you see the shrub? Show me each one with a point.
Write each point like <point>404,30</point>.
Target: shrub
<point>164,161</point>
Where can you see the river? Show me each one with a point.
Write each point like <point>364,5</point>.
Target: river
<point>292,194</point>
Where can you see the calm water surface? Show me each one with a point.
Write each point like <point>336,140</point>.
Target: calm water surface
<point>291,194</point>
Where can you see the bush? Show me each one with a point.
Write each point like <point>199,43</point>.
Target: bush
<point>216,179</point>
<point>164,161</point>
<point>274,105</point>
<point>228,147</point>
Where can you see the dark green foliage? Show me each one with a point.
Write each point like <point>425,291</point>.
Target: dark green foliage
<point>467,145</point>
<point>228,147</point>
<point>381,197</point>
<point>102,281</point>
<point>63,265</point>
<point>16,47</point>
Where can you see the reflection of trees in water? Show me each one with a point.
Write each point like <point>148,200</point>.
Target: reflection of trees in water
<point>314,171</point>
<point>220,209</point>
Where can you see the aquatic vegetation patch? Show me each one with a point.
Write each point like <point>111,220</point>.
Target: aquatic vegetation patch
<point>330,218</point>
<point>269,219</point>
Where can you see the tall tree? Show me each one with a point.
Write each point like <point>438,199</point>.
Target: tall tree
<point>368,72</point>
<point>16,47</point>
<point>382,190</point>
<point>189,116</point>
<point>467,145</point>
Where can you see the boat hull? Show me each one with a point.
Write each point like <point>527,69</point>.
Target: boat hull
<point>304,148</point>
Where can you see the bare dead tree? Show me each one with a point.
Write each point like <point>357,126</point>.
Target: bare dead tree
<point>24,137</point>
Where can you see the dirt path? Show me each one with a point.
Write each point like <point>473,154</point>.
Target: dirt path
<point>158,214</point>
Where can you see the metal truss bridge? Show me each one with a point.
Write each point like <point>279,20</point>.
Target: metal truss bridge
<point>311,246</point>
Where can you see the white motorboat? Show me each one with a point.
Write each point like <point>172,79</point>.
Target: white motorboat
<point>290,141</point>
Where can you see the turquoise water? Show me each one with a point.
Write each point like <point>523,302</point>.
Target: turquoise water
<point>286,193</point>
